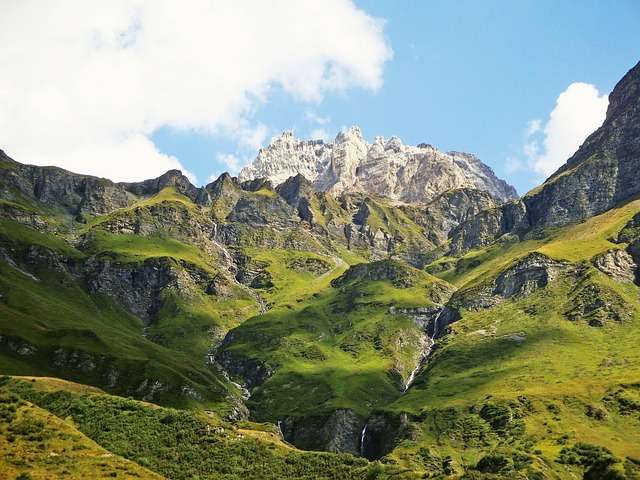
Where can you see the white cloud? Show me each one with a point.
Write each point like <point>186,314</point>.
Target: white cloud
<point>232,162</point>
<point>313,117</point>
<point>85,84</point>
<point>251,138</point>
<point>579,111</point>
<point>320,134</point>
<point>534,126</point>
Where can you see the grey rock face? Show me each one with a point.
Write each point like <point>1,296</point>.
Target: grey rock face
<point>386,168</point>
<point>384,431</point>
<point>524,277</point>
<point>338,431</point>
<point>138,287</point>
<point>60,189</point>
<point>618,264</point>
<point>448,210</point>
<point>260,211</point>
<point>76,194</point>
<point>488,226</point>
<point>297,191</point>
<point>533,272</point>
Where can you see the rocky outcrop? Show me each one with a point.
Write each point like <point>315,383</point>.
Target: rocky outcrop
<point>252,273</point>
<point>260,210</point>
<point>172,178</point>
<point>338,431</point>
<point>79,195</point>
<point>630,232</point>
<point>398,274</point>
<point>386,168</point>
<point>383,432</point>
<point>489,226</point>
<point>60,190</point>
<point>298,192</point>
<point>618,264</point>
<point>139,286</point>
<point>448,210</point>
<point>531,273</point>
<point>253,372</point>
<point>525,276</point>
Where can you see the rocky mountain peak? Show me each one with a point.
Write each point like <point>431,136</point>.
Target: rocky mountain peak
<point>352,134</point>
<point>386,167</point>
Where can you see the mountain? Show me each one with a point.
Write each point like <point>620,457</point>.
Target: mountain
<point>311,327</point>
<point>385,167</point>
<point>599,176</point>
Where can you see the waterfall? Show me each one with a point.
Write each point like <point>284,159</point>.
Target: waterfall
<point>362,437</point>
<point>280,429</point>
<point>414,372</point>
<point>435,324</point>
<point>426,352</point>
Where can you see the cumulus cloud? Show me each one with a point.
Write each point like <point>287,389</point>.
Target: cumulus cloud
<point>579,111</point>
<point>85,84</point>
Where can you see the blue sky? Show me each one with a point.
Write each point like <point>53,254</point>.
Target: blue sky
<point>465,75</point>
<point>128,89</point>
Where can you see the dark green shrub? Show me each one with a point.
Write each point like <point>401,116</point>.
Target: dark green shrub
<point>495,463</point>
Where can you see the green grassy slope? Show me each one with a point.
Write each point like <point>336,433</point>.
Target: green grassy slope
<point>341,347</point>
<point>554,382</point>
<point>67,419</point>
<point>89,337</point>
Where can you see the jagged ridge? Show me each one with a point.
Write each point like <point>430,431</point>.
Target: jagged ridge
<point>385,167</point>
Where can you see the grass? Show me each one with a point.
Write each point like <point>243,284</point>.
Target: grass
<point>291,285</point>
<point>55,313</point>
<point>176,444</point>
<point>17,235</point>
<point>573,243</point>
<point>335,348</point>
<point>38,444</point>
<point>131,248</point>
